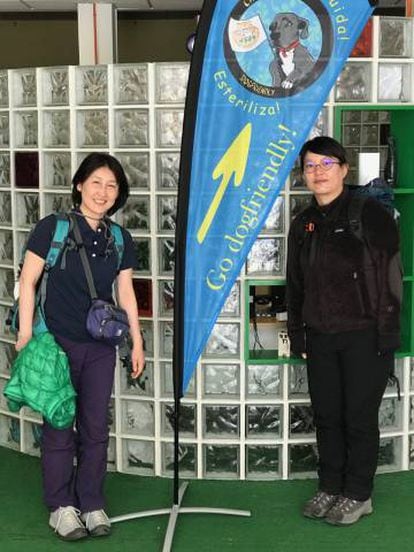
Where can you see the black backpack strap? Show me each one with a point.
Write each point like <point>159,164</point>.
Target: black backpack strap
<point>84,258</point>
<point>355,208</point>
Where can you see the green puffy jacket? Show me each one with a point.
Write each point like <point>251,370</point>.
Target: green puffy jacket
<point>41,379</point>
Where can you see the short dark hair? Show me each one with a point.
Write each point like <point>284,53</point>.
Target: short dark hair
<point>323,145</point>
<point>90,164</point>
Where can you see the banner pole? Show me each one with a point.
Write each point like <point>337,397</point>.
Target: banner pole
<point>176,446</point>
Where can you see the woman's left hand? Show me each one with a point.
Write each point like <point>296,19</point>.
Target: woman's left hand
<point>137,359</point>
<point>127,300</point>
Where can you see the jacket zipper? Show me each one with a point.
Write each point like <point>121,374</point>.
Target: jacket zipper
<point>356,278</point>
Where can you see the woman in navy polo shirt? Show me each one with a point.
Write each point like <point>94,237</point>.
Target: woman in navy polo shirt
<point>74,496</point>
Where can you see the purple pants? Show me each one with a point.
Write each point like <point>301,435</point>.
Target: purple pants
<point>92,373</point>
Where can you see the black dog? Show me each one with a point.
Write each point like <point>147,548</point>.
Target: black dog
<point>292,62</point>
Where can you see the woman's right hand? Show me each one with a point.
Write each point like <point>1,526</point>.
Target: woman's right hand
<point>22,341</point>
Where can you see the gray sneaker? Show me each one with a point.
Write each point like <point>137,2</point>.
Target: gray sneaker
<point>66,523</point>
<point>319,505</point>
<point>347,511</point>
<point>97,523</point>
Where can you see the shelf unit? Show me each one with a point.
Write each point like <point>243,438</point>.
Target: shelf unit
<point>243,418</point>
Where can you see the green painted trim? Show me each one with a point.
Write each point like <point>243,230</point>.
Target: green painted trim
<point>337,123</point>
<point>272,282</point>
<point>404,354</point>
<point>399,191</point>
<point>401,128</point>
<point>268,360</point>
<point>270,357</point>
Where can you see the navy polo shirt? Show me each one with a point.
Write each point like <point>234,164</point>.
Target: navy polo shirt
<point>67,297</point>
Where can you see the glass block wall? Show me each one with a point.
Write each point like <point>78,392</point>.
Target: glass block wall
<point>246,415</point>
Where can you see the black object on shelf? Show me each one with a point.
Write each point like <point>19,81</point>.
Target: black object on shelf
<point>390,170</point>
<point>267,301</point>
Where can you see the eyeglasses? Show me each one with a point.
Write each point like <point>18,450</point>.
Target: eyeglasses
<point>326,164</point>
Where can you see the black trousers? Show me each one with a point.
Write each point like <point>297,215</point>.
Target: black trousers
<point>347,379</point>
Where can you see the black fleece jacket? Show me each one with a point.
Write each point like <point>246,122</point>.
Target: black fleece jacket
<point>335,283</point>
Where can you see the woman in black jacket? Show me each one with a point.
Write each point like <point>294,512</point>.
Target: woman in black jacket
<point>344,297</point>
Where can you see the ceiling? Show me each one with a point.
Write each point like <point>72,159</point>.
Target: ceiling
<point>70,5</point>
<point>131,5</point>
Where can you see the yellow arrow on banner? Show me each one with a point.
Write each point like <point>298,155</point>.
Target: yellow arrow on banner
<point>233,161</point>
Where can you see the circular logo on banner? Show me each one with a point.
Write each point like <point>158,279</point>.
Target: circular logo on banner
<point>276,49</point>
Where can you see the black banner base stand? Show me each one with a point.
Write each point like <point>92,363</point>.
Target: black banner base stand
<point>174,512</point>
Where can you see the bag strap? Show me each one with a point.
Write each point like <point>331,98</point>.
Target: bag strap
<point>355,208</point>
<point>119,242</point>
<point>59,238</point>
<point>56,247</point>
<point>84,258</point>
<point>116,232</point>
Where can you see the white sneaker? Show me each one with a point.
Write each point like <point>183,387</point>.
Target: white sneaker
<point>66,523</point>
<point>97,523</point>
